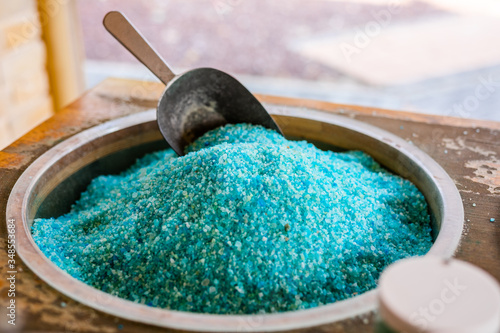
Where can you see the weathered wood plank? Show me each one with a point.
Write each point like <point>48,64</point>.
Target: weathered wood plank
<point>468,150</point>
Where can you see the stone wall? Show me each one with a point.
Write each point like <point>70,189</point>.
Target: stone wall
<point>25,99</point>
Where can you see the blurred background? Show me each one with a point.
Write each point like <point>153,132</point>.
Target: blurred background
<point>429,56</point>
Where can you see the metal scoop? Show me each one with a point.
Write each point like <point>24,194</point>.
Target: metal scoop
<point>194,102</point>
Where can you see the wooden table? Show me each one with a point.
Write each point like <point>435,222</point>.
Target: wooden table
<point>469,150</point>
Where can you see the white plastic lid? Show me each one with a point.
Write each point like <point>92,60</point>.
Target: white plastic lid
<point>430,294</point>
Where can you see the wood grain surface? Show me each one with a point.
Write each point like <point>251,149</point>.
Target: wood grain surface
<point>467,149</point>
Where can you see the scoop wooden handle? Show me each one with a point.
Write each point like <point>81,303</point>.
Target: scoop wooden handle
<point>120,27</point>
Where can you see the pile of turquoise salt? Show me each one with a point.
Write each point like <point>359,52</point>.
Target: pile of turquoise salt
<point>246,222</point>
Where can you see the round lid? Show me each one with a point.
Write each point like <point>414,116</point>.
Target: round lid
<point>430,294</point>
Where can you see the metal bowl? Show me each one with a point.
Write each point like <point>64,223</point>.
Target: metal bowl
<point>54,181</point>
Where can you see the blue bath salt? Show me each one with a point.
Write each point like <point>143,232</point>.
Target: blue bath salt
<point>246,222</point>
